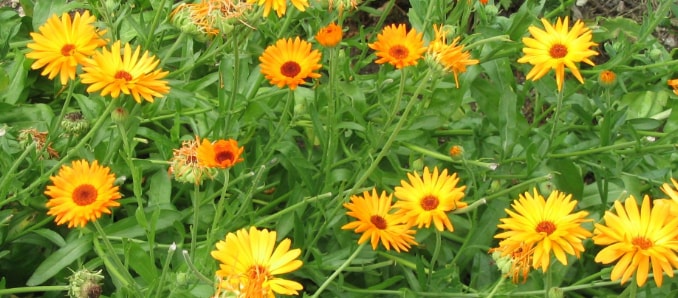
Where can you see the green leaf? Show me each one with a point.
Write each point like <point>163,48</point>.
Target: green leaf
<point>61,258</point>
<point>568,177</point>
<point>52,236</point>
<point>44,9</point>
<point>130,228</point>
<point>141,263</point>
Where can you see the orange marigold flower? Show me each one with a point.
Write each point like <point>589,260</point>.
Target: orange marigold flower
<point>451,57</point>
<point>329,36</point>
<point>376,221</point>
<point>638,240</point>
<point>220,154</point>
<point>289,62</point>
<point>557,47</point>
<point>63,44</point>
<point>426,199</point>
<point>112,72</point>
<point>607,78</point>
<point>81,193</point>
<point>398,47</point>
<point>456,151</point>
<point>673,83</point>
<point>516,264</point>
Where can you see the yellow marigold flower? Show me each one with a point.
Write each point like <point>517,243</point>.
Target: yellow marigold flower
<point>63,44</point>
<point>556,48</point>
<point>280,6</point>
<point>376,221</point>
<point>81,193</point>
<point>672,203</point>
<point>289,62</point>
<point>220,154</point>
<point>329,36</point>
<point>544,225</point>
<point>112,72</point>
<point>514,264</point>
<point>398,47</point>
<point>673,83</point>
<point>607,78</point>
<point>638,240</point>
<point>428,198</point>
<point>451,57</point>
<point>250,264</point>
<point>184,165</point>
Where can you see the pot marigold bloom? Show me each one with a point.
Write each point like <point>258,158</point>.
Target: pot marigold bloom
<point>673,83</point>
<point>289,62</point>
<point>250,263</point>
<point>64,43</point>
<point>376,221</point>
<point>81,193</point>
<point>428,198</point>
<point>451,57</point>
<point>208,17</point>
<point>556,48</point>
<point>112,72</point>
<point>220,154</point>
<point>638,240</point>
<point>329,36</point>
<point>398,47</point>
<point>607,78</point>
<point>280,6</point>
<point>515,264</point>
<point>545,226</point>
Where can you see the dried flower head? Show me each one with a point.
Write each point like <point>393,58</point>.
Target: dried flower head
<point>184,165</point>
<point>29,136</point>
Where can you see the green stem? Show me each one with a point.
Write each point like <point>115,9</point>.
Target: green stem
<point>220,205</point>
<point>10,173</point>
<point>234,89</point>
<point>556,117</point>
<point>195,270</point>
<point>116,268</point>
<point>436,253</point>
<point>396,102</point>
<point>548,281</point>
<point>171,50</point>
<point>332,138</point>
<point>34,289</point>
<point>165,269</point>
<point>154,22</point>
<point>518,186</point>
<point>496,287</point>
<point>389,142</point>
<point>196,218</point>
<point>339,270</point>
<point>289,209</point>
<point>65,158</point>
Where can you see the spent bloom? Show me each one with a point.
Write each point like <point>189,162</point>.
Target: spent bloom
<point>220,154</point>
<point>377,222</point>
<point>558,47</point>
<point>64,43</point>
<point>398,47</point>
<point>209,17</point>
<point>426,199</point>
<point>81,193</point>
<point>280,6</point>
<point>329,36</point>
<point>184,165</point>
<point>639,240</point>
<point>516,264</point>
<point>250,263</point>
<point>289,62</point>
<point>122,70</point>
<point>451,57</point>
<point>544,227</point>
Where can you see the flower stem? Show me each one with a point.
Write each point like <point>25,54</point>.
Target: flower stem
<point>116,268</point>
<point>339,270</point>
<point>33,289</point>
<point>165,269</point>
<point>196,218</point>
<point>496,287</point>
<point>559,105</point>
<point>436,252</point>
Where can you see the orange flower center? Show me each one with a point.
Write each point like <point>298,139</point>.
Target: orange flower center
<point>399,52</point>
<point>546,227</point>
<point>68,50</point>
<point>429,202</point>
<point>256,274</point>
<point>84,195</point>
<point>378,222</point>
<point>642,242</point>
<point>290,69</point>
<point>223,156</point>
<point>558,51</point>
<point>121,74</point>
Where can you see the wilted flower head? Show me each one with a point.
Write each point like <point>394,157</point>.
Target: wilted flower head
<point>451,57</point>
<point>208,18</point>
<point>184,165</point>
<point>29,136</point>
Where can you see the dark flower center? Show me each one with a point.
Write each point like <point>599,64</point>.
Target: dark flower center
<point>558,51</point>
<point>68,50</point>
<point>290,69</point>
<point>379,222</point>
<point>429,202</point>
<point>546,227</point>
<point>84,195</point>
<point>121,74</point>
<point>399,52</point>
<point>224,156</point>
<point>642,242</point>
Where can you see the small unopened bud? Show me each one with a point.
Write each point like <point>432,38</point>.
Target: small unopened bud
<point>119,115</point>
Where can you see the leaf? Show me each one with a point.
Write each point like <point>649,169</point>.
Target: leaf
<point>52,236</point>
<point>130,228</point>
<point>141,263</point>
<point>61,258</point>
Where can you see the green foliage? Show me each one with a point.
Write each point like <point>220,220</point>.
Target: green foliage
<point>360,125</point>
